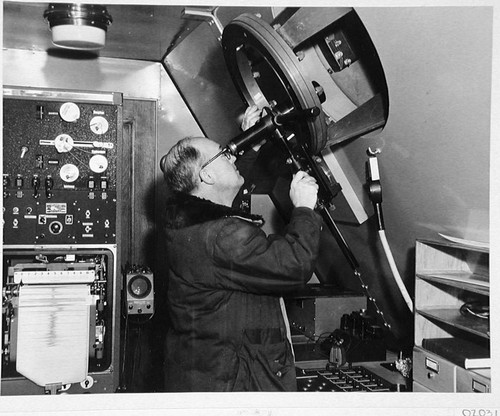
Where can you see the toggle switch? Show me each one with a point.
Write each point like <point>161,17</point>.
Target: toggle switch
<point>49,184</point>
<point>24,150</point>
<point>39,112</point>
<point>104,183</point>
<point>35,184</point>
<point>39,161</point>
<point>19,181</point>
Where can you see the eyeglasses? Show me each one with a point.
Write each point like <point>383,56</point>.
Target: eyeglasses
<point>224,152</point>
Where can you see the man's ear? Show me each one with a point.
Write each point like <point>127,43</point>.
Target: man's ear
<point>207,177</point>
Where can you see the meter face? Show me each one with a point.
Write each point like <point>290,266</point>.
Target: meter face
<point>139,286</point>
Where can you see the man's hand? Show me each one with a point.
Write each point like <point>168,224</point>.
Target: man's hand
<point>252,116</point>
<point>303,190</point>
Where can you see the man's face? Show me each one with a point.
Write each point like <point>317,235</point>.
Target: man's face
<point>222,170</point>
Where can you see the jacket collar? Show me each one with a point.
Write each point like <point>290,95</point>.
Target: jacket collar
<point>184,210</point>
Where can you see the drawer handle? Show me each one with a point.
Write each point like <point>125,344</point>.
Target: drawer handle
<point>432,365</point>
<point>431,375</point>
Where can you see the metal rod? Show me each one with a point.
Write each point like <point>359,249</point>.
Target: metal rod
<point>340,239</point>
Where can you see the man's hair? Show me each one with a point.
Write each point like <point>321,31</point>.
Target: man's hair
<point>180,166</point>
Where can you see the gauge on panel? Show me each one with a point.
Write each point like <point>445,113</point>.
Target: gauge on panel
<point>98,163</point>
<point>69,112</point>
<point>99,125</point>
<point>139,286</point>
<point>69,173</point>
<point>63,143</point>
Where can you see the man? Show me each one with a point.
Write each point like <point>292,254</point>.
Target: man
<point>226,276</point>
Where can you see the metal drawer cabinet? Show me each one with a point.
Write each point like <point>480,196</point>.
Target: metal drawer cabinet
<point>418,388</point>
<point>433,371</point>
<point>470,381</point>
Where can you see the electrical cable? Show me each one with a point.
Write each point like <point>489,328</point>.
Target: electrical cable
<point>137,353</point>
<point>475,309</point>
<point>375,193</point>
<point>394,269</point>
<point>123,385</point>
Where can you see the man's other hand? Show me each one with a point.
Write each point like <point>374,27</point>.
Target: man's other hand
<point>303,190</point>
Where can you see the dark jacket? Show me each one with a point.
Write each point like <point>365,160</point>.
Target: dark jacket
<point>225,279</point>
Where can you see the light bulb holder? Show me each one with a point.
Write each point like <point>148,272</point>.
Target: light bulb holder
<point>78,26</point>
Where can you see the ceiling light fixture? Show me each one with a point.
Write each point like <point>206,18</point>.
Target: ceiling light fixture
<point>78,26</point>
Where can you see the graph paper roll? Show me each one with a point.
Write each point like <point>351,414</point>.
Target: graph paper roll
<point>53,333</point>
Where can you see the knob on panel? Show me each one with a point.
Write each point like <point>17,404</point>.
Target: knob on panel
<point>69,172</point>
<point>69,112</point>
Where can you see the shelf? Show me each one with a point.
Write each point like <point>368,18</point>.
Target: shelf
<point>448,259</point>
<point>479,247</point>
<point>449,274</point>
<point>461,280</point>
<point>454,318</point>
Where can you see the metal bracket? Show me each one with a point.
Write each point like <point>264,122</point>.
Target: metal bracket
<point>374,185</point>
<point>343,55</point>
<point>207,14</point>
<point>53,388</point>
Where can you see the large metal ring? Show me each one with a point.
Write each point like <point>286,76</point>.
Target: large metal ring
<point>267,73</point>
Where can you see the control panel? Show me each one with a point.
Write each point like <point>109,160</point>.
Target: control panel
<point>61,296</point>
<point>345,379</point>
<point>59,172</point>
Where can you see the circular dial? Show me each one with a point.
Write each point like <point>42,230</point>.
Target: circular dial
<point>69,112</point>
<point>267,73</point>
<point>69,173</point>
<point>139,286</point>
<point>99,125</point>
<point>63,143</point>
<point>98,163</point>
